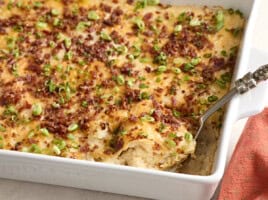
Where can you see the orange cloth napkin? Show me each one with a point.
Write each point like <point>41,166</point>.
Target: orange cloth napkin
<point>246,177</point>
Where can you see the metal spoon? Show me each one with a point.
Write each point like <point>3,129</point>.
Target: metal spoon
<point>242,85</point>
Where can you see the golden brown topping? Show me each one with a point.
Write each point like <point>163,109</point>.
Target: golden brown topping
<point>114,81</point>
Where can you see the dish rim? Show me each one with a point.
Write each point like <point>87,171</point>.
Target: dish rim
<point>221,154</point>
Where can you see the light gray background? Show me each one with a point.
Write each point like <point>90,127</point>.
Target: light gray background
<point>17,190</point>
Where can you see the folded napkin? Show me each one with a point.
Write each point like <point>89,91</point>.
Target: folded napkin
<point>246,177</point>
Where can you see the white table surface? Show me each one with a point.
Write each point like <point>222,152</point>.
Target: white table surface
<point>18,190</point>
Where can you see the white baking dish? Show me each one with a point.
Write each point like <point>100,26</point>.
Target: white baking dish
<point>142,182</point>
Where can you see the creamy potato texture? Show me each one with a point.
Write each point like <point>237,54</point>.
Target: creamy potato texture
<point>117,81</point>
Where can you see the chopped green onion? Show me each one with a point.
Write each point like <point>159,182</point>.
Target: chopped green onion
<point>219,20</point>
<point>172,135</point>
<point>153,2</point>
<point>10,110</point>
<point>161,69</point>
<point>195,22</point>
<point>52,44</point>
<point>188,137</point>
<point>227,77</point>
<point>122,132</point>
<point>70,136</point>
<point>121,49</point>
<point>186,78</point>
<point>56,22</point>
<point>201,86</point>
<point>55,105</point>
<point>188,67</point>
<point>137,51</point>
<point>105,36</point>
<point>182,17</point>
<point>142,78</point>
<point>178,61</point>
<point>130,82</point>
<point>207,55</point>
<point>143,3</point>
<point>143,86</point>
<point>61,144</point>
<point>60,36</point>
<point>170,143</point>
<point>55,12</point>
<point>67,42</point>
<point>2,128</point>
<point>81,26</point>
<point>144,95</point>
<point>11,43</point>
<point>25,149</point>
<point>84,104</point>
<point>162,127</point>
<point>161,59</point>
<point>177,29</point>
<point>221,84</point>
<point>159,19</point>
<point>233,51</point>
<point>147,118</point>
<point>51,86</point>
<point>195,61</point>
<point>44,131</point>
<point>37,109</point>
<point>140,24</point>
<point>38,4</point>
<point>47,69</point>
<point>158,80</point>
<point>73,127</point>
<point>41,25</point>
<point>145,60</point>
<point>235,31</point>
<point>35,148</point>
<point>176,70</point>
<point>224,53</point>
<point>176,113</point>
<point>69,55</point>
<point>238,12</point>
<point>140,4</point>
<point>120,80</point>
<point>212,98</point>
<point>56,150</point>
<point>31,134</point>
<point>92,15</point>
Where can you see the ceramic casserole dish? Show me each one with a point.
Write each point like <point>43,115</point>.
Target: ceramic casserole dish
<point>144,182</point>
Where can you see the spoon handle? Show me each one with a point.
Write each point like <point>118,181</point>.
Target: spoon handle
<point>250,80</point>
<point>242,85</point>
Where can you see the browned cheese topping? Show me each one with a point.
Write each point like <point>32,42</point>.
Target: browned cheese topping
<point>117,81</point>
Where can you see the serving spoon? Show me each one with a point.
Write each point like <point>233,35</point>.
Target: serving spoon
<point>241,86</point>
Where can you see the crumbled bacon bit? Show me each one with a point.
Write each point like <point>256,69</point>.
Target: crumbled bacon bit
<point>36,68</point>
<point>180,47</point>
<point>105,7</point>
<point>157,114</point>
<point>84,148</point>
<point>208,74</point>
<point>146,18</point>
<point>114,18</point>
<point>164,32</point>
<point>132,95</point>
<point>130,2</point>
<point>9,96</point>
<point>217,63</point>
<point>127,69</point>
